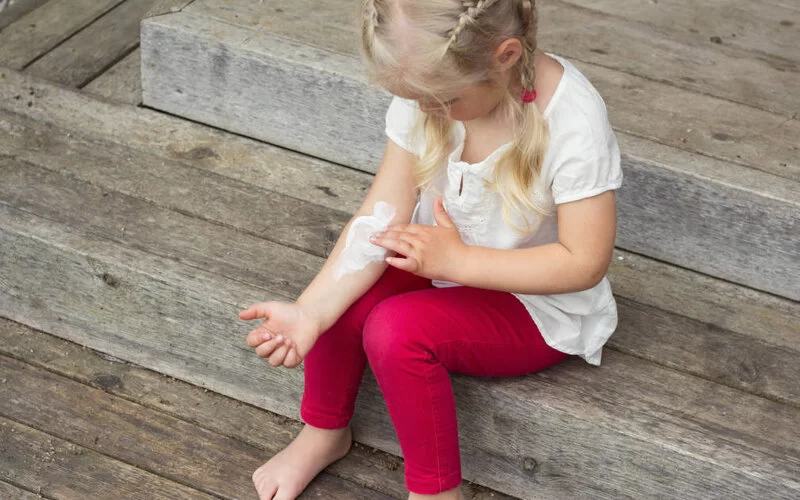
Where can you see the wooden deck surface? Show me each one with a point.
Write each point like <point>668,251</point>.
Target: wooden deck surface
<point>96,185</point>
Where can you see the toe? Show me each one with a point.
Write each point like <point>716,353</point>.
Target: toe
<point>264,486</point>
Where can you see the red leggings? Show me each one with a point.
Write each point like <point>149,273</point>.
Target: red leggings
<point>413,334</point>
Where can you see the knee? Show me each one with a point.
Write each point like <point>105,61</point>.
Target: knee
<point>391,332</point>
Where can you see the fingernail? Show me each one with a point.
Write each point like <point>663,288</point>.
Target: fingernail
<point>279,338</point>
<point>266,336</point>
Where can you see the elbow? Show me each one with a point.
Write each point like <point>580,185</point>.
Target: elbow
<point>594,272</point>
<point>599,272</point>
<point>595,279</point>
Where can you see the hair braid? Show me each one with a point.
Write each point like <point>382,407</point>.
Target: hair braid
<point>472,11</point>
<point>528,66</point>
<point>369,22</point>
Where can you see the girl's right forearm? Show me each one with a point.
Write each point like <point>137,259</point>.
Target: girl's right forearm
<point>326,299</point>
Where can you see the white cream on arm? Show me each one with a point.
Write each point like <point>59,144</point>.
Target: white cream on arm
<point>359,251</point>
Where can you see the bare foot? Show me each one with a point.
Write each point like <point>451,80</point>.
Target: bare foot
<point>286,475</point>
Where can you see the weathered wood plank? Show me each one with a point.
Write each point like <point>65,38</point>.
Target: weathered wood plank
<point>267,431</point>
<point>121,83</point>
<point>710,227</point>
<point>770,28</point>
<point>767,318</point>
<point>668,56</point>
<point>16,9</point>
<point>56,468</point>
<point>718,247</point>
<point>10,491</point>
<point>745,362</point>
<point>183,452</point>
<point>86,55</point>
<point>252,162</point>
<point>698,123</point>
<point>708,351</point>
<point>619,44</point>
<point>170,234</point>
<point>692,459</point>
<point>44,28</point>
<point>756,316</point>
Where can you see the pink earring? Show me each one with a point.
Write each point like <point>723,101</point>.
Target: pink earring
<point>528,95</point>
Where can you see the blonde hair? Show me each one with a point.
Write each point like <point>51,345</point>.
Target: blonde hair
<point>452,43</point>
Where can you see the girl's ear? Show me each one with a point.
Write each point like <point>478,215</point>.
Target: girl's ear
<point>508,53</point>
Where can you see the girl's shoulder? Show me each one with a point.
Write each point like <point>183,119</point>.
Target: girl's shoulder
<point>583,157</point>
<point>576,106</point>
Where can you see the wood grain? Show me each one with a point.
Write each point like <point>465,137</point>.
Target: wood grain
<point>122,83</point>
<point>537,418</point>
<point>96,48</point>
<point>44,28</point>
<point>189,454</point>
<point>16,9</point>
<point>40,461</point>
<point>664,55</point>
<point>770,29</point>
<point>10,491</point>
<point>229,252</point>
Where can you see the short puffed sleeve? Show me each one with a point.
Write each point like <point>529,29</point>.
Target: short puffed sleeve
<point>586,159</point>
<point>401,118</point>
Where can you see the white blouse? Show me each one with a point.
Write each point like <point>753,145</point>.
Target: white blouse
<point>582,160</point>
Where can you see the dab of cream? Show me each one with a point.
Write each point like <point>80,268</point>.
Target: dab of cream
<point>359,251</point>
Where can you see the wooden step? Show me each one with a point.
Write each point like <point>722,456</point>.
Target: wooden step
<point>112,226</point>
<point>704,189</point>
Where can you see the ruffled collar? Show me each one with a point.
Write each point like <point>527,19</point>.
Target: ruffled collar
<point>455,156</point>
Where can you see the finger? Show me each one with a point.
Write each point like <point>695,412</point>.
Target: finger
<point>402,238</point>
<point>408,228</point>
<point>399,246</point>
<point>259,335</point>
<point>407,264</point>
<point>278,355</point>
<point>407,236</point>
<point>269,346</point>
<point>292,358</point>
<point>260,310</point>
<point>440,215</point>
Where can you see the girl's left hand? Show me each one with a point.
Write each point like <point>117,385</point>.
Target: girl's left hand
<point>432,252</point>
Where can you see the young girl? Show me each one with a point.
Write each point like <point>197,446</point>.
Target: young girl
<point>501,165</point>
